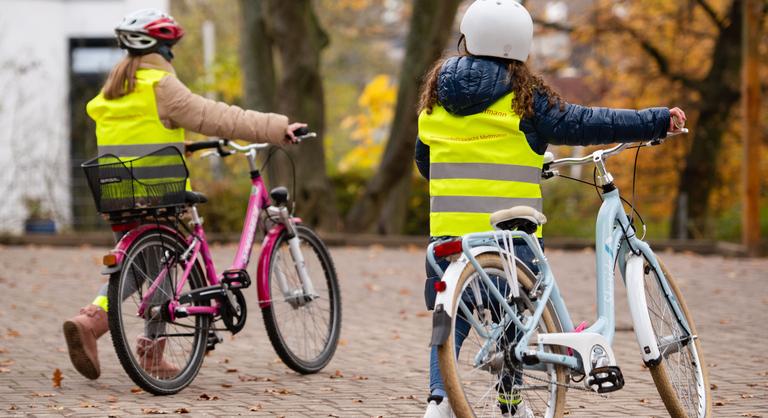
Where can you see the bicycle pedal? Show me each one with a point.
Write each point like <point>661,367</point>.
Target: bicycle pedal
<point>606,379</point>
<point>213,339</point>
<point>236,278</point>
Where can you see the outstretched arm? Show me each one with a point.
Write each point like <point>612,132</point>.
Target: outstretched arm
<point>580,125</point>
<point>176,103</point>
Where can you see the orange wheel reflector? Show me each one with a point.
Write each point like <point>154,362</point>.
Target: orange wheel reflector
<point>110,260</point>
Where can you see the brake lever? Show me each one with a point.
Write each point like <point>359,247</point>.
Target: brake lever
<point>309,135</point>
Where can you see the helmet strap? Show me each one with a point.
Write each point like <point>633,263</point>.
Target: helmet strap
<point>165,51</point>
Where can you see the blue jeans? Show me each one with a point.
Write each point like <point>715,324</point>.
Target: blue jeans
<point>436,385</point>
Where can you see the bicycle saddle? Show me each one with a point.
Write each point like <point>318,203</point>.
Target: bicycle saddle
<point>194,198</point>
<point>522,218</point>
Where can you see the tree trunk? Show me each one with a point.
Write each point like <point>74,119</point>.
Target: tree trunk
<point>256,57</point>
<point>431,24</point>
<point>719,94</point>
<point>299,39</point>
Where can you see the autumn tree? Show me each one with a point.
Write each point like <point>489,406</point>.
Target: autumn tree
<point>675,53</point>
<point>296,38</point>
<point>431,23</point>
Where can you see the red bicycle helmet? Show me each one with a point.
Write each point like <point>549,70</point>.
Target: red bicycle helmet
<point>148,30</point>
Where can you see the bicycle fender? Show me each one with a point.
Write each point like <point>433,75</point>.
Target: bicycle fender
<point>638,307</point>
<point>262,272</point>
<point>445,298</point>
<point>121,248</point>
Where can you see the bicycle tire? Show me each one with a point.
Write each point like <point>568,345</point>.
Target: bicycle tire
<point>663,375</point>
<point>284,346</point>
<point>119,329</point>
<point>457,396</point>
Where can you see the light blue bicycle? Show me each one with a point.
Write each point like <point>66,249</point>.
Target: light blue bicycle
<point>507,344</point>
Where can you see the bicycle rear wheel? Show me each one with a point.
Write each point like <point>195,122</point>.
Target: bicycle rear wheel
<point>499,384</point>
<point>304,329</point>
<point>681,375</point>
<point>161,357</point>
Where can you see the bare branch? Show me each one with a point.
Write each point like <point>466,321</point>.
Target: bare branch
<point>711,13</point>
<point>661,60</point>
<point>558,26</point>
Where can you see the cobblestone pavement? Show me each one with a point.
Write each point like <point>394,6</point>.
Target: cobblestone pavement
<point>380,368</point>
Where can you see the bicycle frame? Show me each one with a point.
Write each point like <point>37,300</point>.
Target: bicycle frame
<point>615,236</point>
<point>197,245</point>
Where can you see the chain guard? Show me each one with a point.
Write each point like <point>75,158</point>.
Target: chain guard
<point>234,316</point>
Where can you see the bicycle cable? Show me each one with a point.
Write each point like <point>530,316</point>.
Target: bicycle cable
<point>272,151</point>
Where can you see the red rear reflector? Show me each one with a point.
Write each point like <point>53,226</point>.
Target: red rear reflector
<point>448,248</point>
<point>439,286</point>
<point>124,227</point>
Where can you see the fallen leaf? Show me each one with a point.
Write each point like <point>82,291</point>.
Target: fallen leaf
<point>342,342</point>
<point>713,386</point>
<point>13,407</point>
<point>372,287</point>
<point>136,389</point>
<point>231,370</point>
<point>153,411</point>
<point>86,404</point>
<point>422,314</point>
<point>404,291</point>
<point>282,391</point>
<point>357,401</point>
<point>7,363</point>
<point>57,377</point>
<point>247,378</point>
<point>719,403</point>
<point>12,333</point>
<point>644,401</point>
<point>5,370</point>
<point>747,396</point>
<point>207,397</point>
<point>43,395</point>
<point>112,399</point>
<point>337,375</point>
<point>3,350</point>
<point>255,408</point>
<point>181,411</point>
<point>359,378</point>
<point>226,385</point>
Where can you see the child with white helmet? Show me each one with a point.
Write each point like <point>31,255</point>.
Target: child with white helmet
<point>142,108</point>
<point>485,122</point>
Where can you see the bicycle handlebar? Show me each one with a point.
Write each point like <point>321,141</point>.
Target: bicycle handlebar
<point>225,147</point>
<point>601,153</point>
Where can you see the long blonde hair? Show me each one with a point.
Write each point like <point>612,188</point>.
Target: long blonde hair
<point>122,78</point>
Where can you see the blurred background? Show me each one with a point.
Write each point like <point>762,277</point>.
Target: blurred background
<point>352,70</point>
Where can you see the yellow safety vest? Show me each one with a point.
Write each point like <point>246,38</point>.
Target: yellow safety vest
<point>129,127</point>
<point>479,164</point>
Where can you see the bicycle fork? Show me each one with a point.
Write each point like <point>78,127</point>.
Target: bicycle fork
<point>295,297</point>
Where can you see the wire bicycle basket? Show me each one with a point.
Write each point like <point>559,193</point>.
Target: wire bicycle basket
<point>155,180</point>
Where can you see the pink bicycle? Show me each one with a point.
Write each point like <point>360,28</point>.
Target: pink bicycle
<point>166,299</point>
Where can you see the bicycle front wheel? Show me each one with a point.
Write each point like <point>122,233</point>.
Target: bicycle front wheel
<point>482,377</point>
<point>681,375</point>
<point>303,328</point>
<point>161,356</point>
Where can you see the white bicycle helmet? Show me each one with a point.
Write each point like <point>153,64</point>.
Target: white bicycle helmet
<point>147,30</point>
<point>498,28</point>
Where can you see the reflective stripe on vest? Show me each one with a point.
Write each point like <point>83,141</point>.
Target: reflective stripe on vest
<point>479,164</point>
<point>130,127</point>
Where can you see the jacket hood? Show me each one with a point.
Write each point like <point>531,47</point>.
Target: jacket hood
<point>468,84</point>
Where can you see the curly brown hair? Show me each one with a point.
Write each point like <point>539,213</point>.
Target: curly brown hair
<point>523,82</point>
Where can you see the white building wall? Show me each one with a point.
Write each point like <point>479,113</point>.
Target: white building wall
<point>34,88</point>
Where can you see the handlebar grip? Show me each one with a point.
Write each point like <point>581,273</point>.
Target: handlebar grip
<point>301,132</point>
<point>201,145</point>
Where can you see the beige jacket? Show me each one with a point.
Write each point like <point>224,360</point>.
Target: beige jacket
<point>178,107</point>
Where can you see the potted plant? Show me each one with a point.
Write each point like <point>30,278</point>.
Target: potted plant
<point>39,220</point>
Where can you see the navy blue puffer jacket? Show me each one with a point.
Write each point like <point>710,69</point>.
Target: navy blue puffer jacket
<point>469,85</point>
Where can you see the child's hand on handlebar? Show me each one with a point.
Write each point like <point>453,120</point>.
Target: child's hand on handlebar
<point>290,136</point>
<point>676,120</point>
